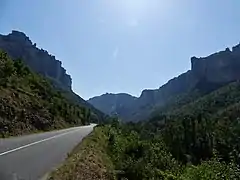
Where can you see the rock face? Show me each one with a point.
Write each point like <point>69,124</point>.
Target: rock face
<point>206,74</point>
<point>219,67</point>
<point>18,45</point>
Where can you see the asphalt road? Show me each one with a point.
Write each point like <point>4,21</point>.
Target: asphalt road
<point>31,157</point>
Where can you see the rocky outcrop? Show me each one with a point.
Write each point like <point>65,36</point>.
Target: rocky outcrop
<point>221,67</point>
<point>18,45</point>
<point>206,75</point>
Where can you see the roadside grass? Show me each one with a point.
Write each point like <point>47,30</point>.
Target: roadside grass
<point>88,160</point>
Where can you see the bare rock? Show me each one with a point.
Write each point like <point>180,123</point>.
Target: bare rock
<point>18,45</point>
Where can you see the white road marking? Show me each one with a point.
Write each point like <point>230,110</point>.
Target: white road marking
<point>37,142</point>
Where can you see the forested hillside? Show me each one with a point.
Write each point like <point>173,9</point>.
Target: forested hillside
<point>194,138</point>
<point>18,45</point>
<point>206,75</point>
<point>197,140</point>
<point>29,103</point>
<point>191,125</point>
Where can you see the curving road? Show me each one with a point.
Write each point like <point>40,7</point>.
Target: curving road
<point>31,157</point>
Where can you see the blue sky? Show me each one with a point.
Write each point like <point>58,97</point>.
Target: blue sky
<point>124,45</point>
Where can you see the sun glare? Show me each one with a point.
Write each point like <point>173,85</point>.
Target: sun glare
<point>137,10</point>
<point>131,11</point>
<point>134,7</point>
<point>135,13</point>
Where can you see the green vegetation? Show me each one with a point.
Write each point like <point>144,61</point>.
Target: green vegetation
<point>195,136</point>
<point>88,161</point>
<point>139,158</point>
<point>29,103</point>
<point>196,139</point>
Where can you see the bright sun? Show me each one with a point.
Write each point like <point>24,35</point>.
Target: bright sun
<point>132,7</point>
<point>132,11</point>
<point>135,12</point>
<point>140,9</point>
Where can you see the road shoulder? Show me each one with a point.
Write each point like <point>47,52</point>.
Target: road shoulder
<point>88,161</point>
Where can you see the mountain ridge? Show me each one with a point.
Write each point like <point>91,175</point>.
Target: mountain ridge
<point>19,46</point>
<point>206,74</point>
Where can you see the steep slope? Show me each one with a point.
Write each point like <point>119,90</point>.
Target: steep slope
<point>18,45</point>
<point>197,140</point>
<point>207,123</point>
<point>204,133</point>
<point>206,74</point>
<point>29,102</point>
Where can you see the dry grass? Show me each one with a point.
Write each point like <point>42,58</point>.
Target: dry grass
<point>88,161</point>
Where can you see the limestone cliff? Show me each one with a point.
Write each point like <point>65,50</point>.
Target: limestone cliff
<point>221,67</point>
<point>206,74</point>
<point>18,45</point>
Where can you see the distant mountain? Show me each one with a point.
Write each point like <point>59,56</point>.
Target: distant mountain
<point>206,74</point>
<point>114,104</point>
<point>18,45</point>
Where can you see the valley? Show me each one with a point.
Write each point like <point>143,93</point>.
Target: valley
<point>186,129</point>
